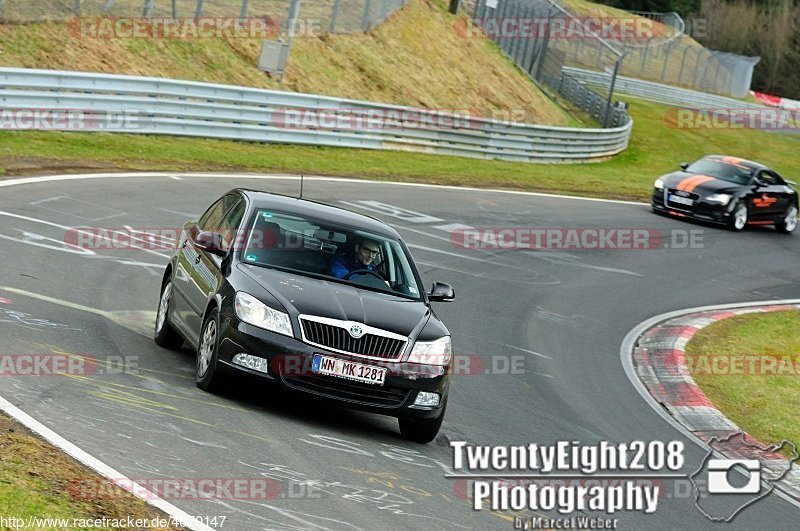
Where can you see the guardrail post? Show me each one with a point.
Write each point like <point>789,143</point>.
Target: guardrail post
<point>174,9</point>
<point>243,11</point>
<point>365,16</point>
<point>76,8</point>
<point>198,10</point>
<point>334,16</point>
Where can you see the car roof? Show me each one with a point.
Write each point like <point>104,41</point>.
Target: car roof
<point>744,162</point>
<point>316,210</point>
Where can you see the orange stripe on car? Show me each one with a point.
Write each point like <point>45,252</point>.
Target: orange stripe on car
<point>686,183</point>
<point>697,182</point>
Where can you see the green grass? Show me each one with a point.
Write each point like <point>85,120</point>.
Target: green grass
<point>655,148</point>
<point>764,405</point>
<point>38,480</point>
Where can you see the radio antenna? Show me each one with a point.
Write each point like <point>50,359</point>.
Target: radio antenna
<point>301,187</point>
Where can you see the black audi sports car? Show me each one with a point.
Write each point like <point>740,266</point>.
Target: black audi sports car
<point>730,191</point>
<point>253,287</point>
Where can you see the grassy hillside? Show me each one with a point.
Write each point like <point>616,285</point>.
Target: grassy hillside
<point>415,58</point>
<point>655,149</point>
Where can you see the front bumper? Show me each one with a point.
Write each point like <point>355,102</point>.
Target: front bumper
<point>289,365</point>
<point>701,210</point>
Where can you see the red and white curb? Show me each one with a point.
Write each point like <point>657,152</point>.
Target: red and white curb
<point>658,360</point>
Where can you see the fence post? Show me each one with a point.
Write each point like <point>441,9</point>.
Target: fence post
<point>545,44</point>
<point>611,90</point>
<point>294,12</point>
<point>148,8</point>
<point>76,8</point>
<point>243,12</point>
<point>198,10</point>
<point>174,9</point>
<point>334,16</point>
<point>365,16</point>
<point>683,60</point>
<point>667,53</point>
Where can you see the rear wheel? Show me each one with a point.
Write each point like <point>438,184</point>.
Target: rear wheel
<point>163,334</point>
<point>789,222</point>
<point>739,217</point>
<point>421,430</point>
<point>207,374</point>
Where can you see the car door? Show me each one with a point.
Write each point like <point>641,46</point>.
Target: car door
<point>206,274</point>
<point>770,196</point>
<point>184,277</point>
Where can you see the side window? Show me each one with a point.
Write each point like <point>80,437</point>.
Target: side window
<point>769,177</point>
<point>213,216</point>
<point>776,179</point>
<point>231,224</point>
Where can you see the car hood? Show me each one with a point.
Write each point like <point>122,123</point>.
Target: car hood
<point>310,296</point>
<point>710,185</point>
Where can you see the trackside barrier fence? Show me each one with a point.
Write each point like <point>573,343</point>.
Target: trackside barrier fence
<point>186,108</point>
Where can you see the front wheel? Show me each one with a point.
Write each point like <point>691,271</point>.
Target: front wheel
<point>163,334</point>
<point>789,222</point>
<point>421,430</point>
<point>207,373</point>
<point>739,217</point>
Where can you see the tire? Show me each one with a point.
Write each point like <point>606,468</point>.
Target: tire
<point>739,217</point>
<point>789,222</point>
<point>421,431</point>
<point>163,333</point>
<point>208,375</point>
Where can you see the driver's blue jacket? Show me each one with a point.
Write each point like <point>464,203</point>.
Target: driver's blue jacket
<point>344,263</point>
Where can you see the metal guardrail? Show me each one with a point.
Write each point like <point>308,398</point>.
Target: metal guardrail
<point>659,93</point>
<point>187,108</point>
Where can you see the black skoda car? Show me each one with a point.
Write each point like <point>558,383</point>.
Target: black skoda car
<point>730,191</point>
<point>311,297</point>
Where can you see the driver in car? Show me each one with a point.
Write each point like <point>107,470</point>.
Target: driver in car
<point>365,252</point>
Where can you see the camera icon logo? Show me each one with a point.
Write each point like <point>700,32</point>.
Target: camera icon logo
<point>718,470</point>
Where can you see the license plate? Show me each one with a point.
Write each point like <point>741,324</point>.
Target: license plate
<point>348,369</point>
<point>681,200</point>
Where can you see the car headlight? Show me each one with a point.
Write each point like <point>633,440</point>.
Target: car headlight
<point>659,184</point>
<point>722,199</point>
<point>437,352</point>
<point>253,311</point>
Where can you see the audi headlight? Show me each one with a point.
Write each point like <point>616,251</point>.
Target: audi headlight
<point>437,352</point>
<point>722,199</point>
<point>659,184</point>
<point>253,311</point>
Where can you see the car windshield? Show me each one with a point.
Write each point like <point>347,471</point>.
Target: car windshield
<point>322,249</point>
<point>727,171</point>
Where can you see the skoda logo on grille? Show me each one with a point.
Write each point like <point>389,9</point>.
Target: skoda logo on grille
<point>356,331</point>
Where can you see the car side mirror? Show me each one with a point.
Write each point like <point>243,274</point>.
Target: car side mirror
<point>684,165</point>
<point>210,242</point>
<point>441,292</point>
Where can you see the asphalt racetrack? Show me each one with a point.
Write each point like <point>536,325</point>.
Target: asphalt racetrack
<point>560,315</point>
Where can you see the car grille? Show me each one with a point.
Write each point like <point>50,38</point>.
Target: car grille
<point>680,206</point>
<point>338,338</point>
<point>352,391</point>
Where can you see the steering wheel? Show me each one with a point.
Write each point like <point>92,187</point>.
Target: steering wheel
<point>364,272</point>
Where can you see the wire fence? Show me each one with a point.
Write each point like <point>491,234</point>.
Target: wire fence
<point>541,37</point>
<point>315,16</point>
